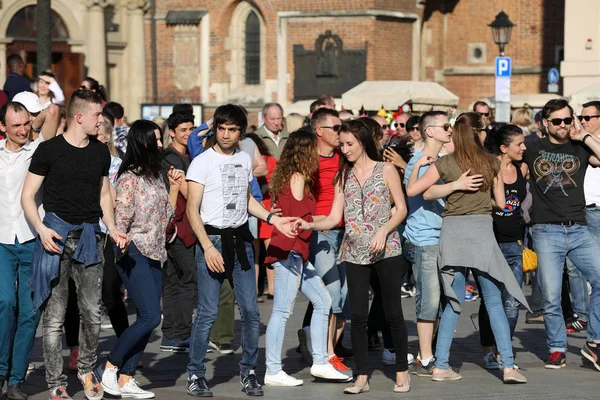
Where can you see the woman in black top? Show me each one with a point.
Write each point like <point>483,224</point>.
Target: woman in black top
<point>509,229</point>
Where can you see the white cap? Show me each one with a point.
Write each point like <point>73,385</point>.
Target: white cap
<point>31,101</point>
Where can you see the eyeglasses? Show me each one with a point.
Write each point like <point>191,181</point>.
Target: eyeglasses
<point>484,114</point>
<point>587,117</point>
<point>446,126</point>
<point>558,121</point>
<point>335,128</point>
<point>223,129</point>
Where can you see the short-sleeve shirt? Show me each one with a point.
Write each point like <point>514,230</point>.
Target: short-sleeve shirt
<point>73,178</point>
<point>463,202</point>
<point>424,220</point>
<point>225,179</point>
<point>557,174</point>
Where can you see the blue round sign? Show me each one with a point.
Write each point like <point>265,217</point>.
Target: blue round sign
<point>553,76</point>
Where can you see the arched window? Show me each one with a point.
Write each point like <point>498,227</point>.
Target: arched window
<point>23,25</point>
<point>252,56</point>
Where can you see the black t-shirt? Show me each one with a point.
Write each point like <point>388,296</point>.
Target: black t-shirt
<point>509,225</point>
<point>557,172</point>
<point>73,178</point>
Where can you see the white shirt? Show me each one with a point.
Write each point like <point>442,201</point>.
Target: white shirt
<point>13,169</point>
<point>225,180</point>
<point>591,185</point>
<point>272,136</point>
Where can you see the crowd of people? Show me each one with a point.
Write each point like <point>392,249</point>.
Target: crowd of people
<point>181,219</point>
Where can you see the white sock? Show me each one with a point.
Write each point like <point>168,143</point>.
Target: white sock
<point>426,361</point>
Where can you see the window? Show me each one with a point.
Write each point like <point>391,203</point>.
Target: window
<point>252,56</point>
<point>23,25</point>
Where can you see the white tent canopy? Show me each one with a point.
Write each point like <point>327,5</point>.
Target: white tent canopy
<point>372,95</point>
<point>587,94</point>
<point>533,100</point>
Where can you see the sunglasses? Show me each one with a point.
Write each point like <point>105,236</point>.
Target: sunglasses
<point>587,117</point>
<point>384,127</point>
<point>336,128</point>
<point>446,126</point>
<point>558,121</point>
<point>487,114</point>
<point>414,128</point>
<point>399,124</point>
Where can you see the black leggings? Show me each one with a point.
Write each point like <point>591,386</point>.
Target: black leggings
<point>111,297</point>
<point>390,272</point>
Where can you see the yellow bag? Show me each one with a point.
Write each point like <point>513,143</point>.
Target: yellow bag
<point>530,260</point>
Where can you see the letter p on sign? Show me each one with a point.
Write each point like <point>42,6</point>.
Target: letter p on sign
<point>503,67</point>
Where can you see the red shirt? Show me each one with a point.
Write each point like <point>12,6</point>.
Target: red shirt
<point>281,245</point>
<point>324,188</point>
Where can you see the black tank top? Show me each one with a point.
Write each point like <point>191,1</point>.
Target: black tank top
<point>509,225</point>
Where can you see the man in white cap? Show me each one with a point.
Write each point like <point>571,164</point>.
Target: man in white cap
<point>35,108</point>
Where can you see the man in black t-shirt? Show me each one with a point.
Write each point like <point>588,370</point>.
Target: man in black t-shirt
<point>557,165</point>
<point>72,171</point>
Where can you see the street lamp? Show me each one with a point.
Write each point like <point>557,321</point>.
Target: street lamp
<point>501,29</point>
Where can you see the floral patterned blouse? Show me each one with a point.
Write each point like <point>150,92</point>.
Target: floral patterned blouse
<point>143,212</point>
<point>366,209</point>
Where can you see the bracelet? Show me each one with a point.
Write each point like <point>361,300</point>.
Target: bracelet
<point>209,247</point>
<point>585,137</point>
<point>268,220</point>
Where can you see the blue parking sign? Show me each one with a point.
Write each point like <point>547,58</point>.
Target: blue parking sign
<point>503,67</point>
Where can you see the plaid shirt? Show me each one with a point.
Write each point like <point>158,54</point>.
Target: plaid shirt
<point>120,138</point>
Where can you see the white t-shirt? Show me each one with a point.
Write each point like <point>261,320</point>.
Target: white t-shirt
<point>225,180</point>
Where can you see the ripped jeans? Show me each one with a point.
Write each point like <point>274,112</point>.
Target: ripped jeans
<point>291,275</point>
<point>513,253</point>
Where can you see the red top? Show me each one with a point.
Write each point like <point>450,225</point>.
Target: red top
<point>265,230</point>
<point>281,245</point>
<point>324,188</point>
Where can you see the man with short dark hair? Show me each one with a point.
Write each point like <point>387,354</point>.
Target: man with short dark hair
<point>328,100</point>
<point>483,109</point>
<point>271,131</point>
<point>314,106</point>
<point>218,204</point>
<point>16,82</point>
<point>557,166</point>
<point>120,129</point>
<point>180,292</point>
<point>72,171</point>
<point>17,242</point>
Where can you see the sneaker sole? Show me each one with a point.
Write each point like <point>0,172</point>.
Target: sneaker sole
<point>200,394</point>
<point>456,378</point>
<point>166,348</point>
<point>590,358</point>
<point>344,379</point>
<point>180,349</point>
<point>547,366</point>
<point>138,396</point>
<point>226,352</point>
<point>277,384</point>
<point>514,381</point>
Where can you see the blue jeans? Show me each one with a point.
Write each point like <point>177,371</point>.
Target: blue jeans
<point>592,215</point>
<point>290,275</point>
<point>553,243</point>
<point>580,298</point>
<point>209,291</point>
<point>492,293</point>
<point>324,250</point>
<point>142,278</point>
<point>16,336</point>
<point>513,253</point>
<point>427,282</point>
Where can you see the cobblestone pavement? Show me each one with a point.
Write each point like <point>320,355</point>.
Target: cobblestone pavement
<point>164,373</point>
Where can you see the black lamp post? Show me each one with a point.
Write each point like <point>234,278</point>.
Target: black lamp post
<point>501,29</point>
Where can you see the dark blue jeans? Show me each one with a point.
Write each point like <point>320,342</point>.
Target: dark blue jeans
<point>142,278</point>
<point>16,334</point>
<point>209,291</point>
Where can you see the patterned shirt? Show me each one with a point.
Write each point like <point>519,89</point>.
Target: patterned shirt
<point>143,212</point>
<point>366,209</point>
<point>120,138</point>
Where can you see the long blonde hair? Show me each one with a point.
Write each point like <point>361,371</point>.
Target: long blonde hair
<point>107,130</point>
<point>468,150</point>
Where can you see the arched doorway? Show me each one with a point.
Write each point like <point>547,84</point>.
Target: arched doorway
<point>67,66</point>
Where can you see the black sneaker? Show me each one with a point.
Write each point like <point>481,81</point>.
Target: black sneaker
<point>592,354</point>
<point>250,384</point>
<point>16,392</point>
<point>420,369</point>
<point>198,387</point>
<point>374,342</point>
<point>225,348</point>
<point>556,360</point>
<point>576,325</point>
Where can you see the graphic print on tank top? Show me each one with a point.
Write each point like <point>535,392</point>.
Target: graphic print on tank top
<point>555,170</point>
<point>235,186</point>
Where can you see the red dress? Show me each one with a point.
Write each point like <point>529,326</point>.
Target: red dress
<point>265,230</point>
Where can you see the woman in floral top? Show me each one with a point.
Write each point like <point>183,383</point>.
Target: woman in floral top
<point>144,208</point>
<point>365,191</point>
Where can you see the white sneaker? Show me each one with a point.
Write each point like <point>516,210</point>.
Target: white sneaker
<point>131,389</point>
<point>328,371</point>
<point>110,382</point>
<point>389,358</point>
<point>282,379</point>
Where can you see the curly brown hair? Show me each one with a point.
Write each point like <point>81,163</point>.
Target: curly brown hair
<point>300,155</point>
